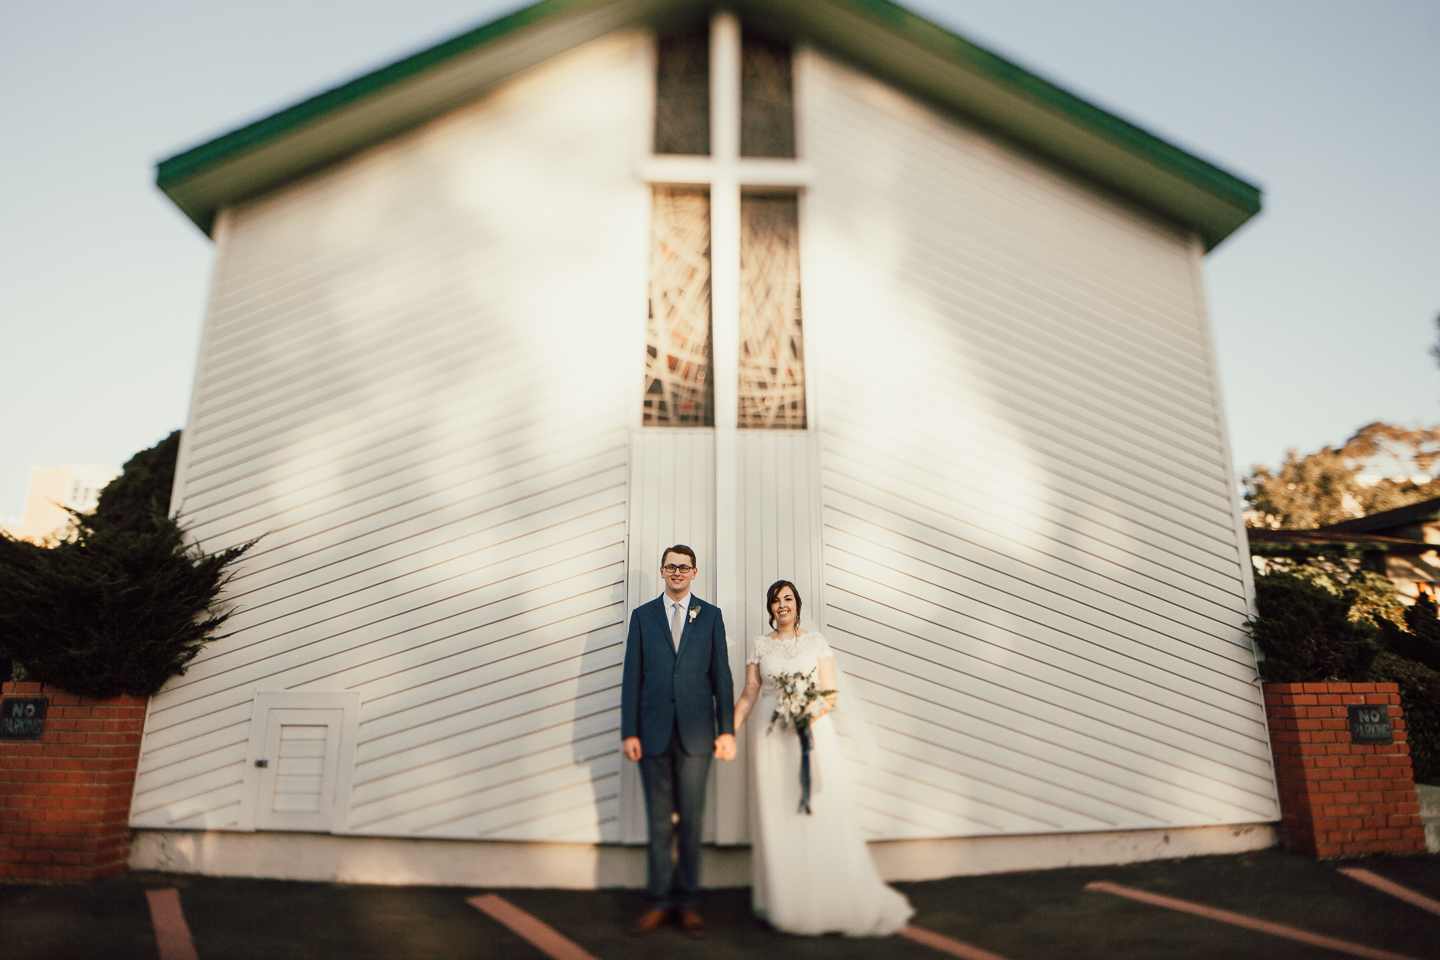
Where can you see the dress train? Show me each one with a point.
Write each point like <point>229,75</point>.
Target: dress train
<point>812,874</point>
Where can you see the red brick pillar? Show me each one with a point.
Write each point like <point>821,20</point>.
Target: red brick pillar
<point>1338,798</point>
<point>65,798</point>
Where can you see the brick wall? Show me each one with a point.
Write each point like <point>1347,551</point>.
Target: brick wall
<point>65,798</point>
<point>1337,798</point>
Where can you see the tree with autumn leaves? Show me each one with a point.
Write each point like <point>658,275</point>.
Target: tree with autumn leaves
<point>1329,486</point>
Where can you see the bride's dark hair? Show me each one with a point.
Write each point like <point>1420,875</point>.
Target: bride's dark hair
<point>774,592</point>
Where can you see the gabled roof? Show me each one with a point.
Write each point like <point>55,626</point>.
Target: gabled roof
<point>876,35</point>
<point>1355,537</point>
<point>1325,541</point>
<point>1408,515</point>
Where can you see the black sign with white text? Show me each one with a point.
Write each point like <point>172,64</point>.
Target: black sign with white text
<point>22,719</point>
<point>1370,723</point>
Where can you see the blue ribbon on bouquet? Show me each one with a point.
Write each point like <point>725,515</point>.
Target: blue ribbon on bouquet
<point>806,742</point>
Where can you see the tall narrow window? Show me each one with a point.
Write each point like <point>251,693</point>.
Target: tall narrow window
<point>767,99</point>
<point>772,350</point>
<point>755,224</point>
<point>682,93</point>
<point>679,388</point>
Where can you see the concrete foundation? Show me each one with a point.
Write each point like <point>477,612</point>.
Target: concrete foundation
<point>1430,815</point>
<point>386,860</point>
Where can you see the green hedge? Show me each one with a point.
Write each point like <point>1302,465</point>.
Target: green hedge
<point>1306,633</point>
<point>1420,697</point>
<point>1305,630</point>
<point>126,603</point>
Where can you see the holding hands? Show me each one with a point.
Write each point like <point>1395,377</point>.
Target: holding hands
<point>724,747</point>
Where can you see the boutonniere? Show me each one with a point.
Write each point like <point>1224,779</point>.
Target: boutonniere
<point>694,612</point>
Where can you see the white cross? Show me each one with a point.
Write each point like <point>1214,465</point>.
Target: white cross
<point>726,173</point>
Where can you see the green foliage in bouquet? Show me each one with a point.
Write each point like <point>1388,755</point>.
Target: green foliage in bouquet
<point>123,605</point>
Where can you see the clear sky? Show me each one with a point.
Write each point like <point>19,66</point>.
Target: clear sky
<point>1323,307</point>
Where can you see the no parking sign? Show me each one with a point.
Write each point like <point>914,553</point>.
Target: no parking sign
<point>22,719</point>
<point>1370,723</point>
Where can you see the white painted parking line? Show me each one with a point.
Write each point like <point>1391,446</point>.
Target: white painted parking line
<point>172,933</point>
<point>1240,920</point>
<point>1392,888</point>
<point>938,941</point>
<point>541,935</point>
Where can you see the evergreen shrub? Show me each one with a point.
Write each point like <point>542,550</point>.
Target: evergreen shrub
<point>1420,698</point>
<point>125,603</point>
<point>1305,630</point>
<point>1306,634</point>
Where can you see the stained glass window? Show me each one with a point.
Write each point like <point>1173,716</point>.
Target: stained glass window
<point>682,93</point>
<point>767,99</point>
<point>679,389</point>
<point>772,350</point>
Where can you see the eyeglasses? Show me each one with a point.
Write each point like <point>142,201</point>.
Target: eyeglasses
<point>670,568</point>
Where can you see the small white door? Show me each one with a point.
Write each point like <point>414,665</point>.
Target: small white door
<point>297,781</point>
<point>300,763</point>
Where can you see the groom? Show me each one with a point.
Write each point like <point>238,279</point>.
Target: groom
<point>677,709</point>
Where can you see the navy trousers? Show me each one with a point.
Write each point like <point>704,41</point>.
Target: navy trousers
<point>674,783</point>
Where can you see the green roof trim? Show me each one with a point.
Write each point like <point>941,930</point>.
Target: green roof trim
<point>1137,139</point>
<point>916,54</point>
<point>182,166</point>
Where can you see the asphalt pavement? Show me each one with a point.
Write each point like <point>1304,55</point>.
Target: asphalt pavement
<point>1013,916</point>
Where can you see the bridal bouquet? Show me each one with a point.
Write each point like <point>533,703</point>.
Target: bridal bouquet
<point>800,702</point>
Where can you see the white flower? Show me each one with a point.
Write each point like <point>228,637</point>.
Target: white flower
<point>694,612</point>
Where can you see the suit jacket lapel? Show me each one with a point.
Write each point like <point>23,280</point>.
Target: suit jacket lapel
<point>659,605</point>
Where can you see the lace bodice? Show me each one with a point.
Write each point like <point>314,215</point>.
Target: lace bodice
<point>773,656</point>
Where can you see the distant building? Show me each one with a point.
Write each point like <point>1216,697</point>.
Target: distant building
<point>1400,543</point>
<point>52,490</point>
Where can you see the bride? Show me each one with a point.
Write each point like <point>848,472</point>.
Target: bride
<point>812,871</point>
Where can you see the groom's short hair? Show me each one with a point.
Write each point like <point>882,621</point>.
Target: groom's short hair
<point>679,548</point>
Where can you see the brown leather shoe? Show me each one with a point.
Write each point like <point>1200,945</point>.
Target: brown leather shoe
<point>649,920</point>
<point>691,922</point>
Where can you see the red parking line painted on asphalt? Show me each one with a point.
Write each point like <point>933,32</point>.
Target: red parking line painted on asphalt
<point>172,933</point>
<point>938,941</point>
<point>1240,920</point>
<point>1392,888</point>
<point>544,937</point>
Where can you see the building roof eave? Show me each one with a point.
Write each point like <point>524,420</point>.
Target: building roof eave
<point>1421,512</point>
<point>897,45</point>
<point>953,72</point>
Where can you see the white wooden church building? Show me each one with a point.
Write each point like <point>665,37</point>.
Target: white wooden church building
<point>814,286</point>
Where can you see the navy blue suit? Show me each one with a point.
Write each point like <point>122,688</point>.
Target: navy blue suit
<point>677,703</point>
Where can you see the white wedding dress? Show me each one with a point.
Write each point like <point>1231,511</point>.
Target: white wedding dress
<point>812,873</point>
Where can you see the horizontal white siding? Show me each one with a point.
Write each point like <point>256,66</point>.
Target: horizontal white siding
<point>1032,569</point>
<point>413,392</point>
